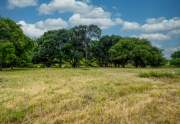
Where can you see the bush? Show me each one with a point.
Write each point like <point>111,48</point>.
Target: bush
<point>157,74</point>
<point>175,62</point>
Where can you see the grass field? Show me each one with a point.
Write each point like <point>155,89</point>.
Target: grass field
<point>90,96</point>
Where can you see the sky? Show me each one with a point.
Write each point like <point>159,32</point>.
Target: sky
<point>156,20</point>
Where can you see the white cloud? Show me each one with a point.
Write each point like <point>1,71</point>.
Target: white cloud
<point>103,23</point>
<point>152,25</point>
<point>119,21</point>
<point>161,36</point>
<point>86,1</point>
<point>174,33</point>
<point>51,24</point>
<point>161,24</point>
<point>31,30</point>
<point>155,29</point>
<point>82,12</point>
<point>126,25</point>
<point>21,3</point>
<point>130,26</point>
<point>155,20</point>
<point>65,6</point>
<point>37,29</point>
<point>154,37</point>
<point>96,12</point>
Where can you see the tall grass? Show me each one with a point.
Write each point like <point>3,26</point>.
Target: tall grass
<point>89,96</point>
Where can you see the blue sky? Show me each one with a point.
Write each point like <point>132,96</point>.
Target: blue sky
<point>156,20</point>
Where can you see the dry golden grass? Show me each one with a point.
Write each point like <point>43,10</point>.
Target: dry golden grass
<point>88,96</point>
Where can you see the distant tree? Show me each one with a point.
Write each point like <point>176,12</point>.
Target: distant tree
<point>140,55</point>
<point>139,52</point>
<point>86,35</point>
<point>121,52</point>
<point>71,45</point>
<point>156,58</point>
<point>79,45</point>
<point>176,54</point>
<point>16,45</point>
<point>7,54</point>
<point>144,54</point>
<point>50,47</point>
<point>101,49</point>
<point>73,50</point>
<point>175,61</point>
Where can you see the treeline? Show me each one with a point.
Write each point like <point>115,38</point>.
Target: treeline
<point>79,46</point>
<point>83,45</point>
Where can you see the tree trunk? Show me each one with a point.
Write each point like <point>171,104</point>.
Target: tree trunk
<point>1,66</point>
<point>60,63</point>
<point>136,65</point>
<point>123,65</point>
<point>86,56</point>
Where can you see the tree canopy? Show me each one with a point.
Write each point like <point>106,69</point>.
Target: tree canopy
<point>138,52</point>
<point>15,47</point>
<point>175,61</point>
<point>101,49</point>
<point>79,45</point>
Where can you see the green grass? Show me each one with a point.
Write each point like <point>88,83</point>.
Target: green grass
<point>90,96</point>
<point>157,74</point>
<point>160,74</point>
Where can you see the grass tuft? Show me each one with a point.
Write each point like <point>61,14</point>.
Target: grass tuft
<point>155,74</point>
<point>12,116</point>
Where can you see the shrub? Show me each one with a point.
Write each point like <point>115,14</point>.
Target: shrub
<point>175,62</point>
<point>157,74</point>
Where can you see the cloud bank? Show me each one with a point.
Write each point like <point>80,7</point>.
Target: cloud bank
<point>21,3</point>
<point>84,13</point>
<point>37,29</point>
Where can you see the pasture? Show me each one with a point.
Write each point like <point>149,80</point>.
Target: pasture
<point>90,96</point>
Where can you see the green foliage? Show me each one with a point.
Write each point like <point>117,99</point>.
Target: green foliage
<point>50,47</point>
<point>83,39</point>
<point>139,52</point>
<point>121,52</point>
<point>156,58</point>
<point>7,55</point>
<point>15,47</point>
<point>101,49</point>
<point>80,45</point>
<point>140,55</point>
<point>175,61</point>
<point>12,116</point>
<point>176,55</point>
<point>66,45</point>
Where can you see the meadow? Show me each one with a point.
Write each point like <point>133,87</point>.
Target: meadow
<point>90,96</point>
